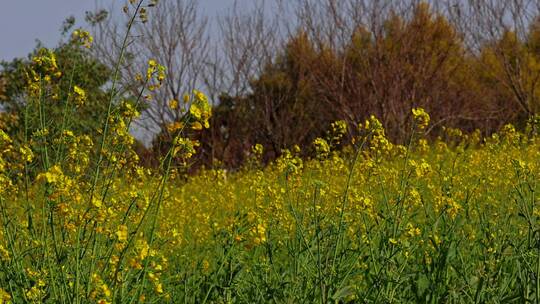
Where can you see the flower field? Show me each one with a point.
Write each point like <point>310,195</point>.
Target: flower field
<point>447,219</point>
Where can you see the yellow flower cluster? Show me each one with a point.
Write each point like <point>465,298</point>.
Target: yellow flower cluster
<point>421,118</point>
<point>45,63</point>
<point>155,71</point>
<point>80,95</point>
<point>5,298</point>
<point>82,37</point>
<point>408,203</point>
<point>200,110</point>
<point>184,147</point>
<point>322,148</point>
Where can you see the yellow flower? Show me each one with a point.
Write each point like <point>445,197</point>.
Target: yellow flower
<point>175,126</point>
<point>200,96</point>
<point>159,288</point>
<point>186,98</point>
<point>205,265</point>
<point>4,255</point>
<point>143,248</point>
<point>413,231</point>
<point>257,149</point>
<point>185,146</point>
<point>54,175</point>
<point>453,208</point>
<point>80,95</point>
<point>195,111</point>
<point>4,138</point>
<point>26,153</point>
<point>35,294</point>
<point>322,147</point>
<point>260,233</point>
<point>173,104</point>
<point>122,233</point>
<point>197,126</point>
<point>421,118</point>
<point>106,290</point>
<point>82,37</point>
<point>4,297</point>
<point>97,202</point>
<point>151,68</point>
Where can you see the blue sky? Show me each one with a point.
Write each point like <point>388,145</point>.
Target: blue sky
<point>24,21</point>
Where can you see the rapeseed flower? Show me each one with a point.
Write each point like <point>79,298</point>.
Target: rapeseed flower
<point>421,118</point>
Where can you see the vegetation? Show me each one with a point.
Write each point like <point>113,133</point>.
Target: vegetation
<point>366,199</point>
<point>416,61</point>
<point>65,95</point>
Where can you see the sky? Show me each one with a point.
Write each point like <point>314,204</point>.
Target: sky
<point>22,22</point>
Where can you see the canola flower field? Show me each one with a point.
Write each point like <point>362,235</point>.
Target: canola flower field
<point>449,220</point>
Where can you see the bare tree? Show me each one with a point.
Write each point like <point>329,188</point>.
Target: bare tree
<point>503,29</point>
<point>269,65</point>
<point>249,40</point>
<point>176,36</point>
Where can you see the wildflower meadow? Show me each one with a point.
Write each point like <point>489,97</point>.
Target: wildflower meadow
<point>363,218</point>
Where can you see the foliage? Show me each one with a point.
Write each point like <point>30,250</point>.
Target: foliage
<point>453,220</point>
<point>81,74</point>
<point>420,60</point>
